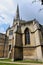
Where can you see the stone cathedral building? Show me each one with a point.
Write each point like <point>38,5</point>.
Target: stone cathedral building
<point>24,40</point>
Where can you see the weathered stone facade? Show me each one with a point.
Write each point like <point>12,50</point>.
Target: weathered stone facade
<point>3,45</point>
<point>24,40</point>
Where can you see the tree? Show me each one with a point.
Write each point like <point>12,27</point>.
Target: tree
<point>38,1</point>
<point>42,2</point>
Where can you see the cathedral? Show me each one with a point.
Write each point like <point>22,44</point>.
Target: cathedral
<point>23,40</point>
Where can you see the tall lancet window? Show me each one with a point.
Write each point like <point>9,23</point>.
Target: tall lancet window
<point>27,36</point>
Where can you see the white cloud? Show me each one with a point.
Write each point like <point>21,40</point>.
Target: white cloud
<point>7,11</point>
<point>3,8</point>
<point>2,30</point>
<point>9,2</point>
<point>4,19</point>
<point>7,5</point>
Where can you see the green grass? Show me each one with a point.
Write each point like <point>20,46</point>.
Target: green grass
<point>23,61</point>
<point>30,61</point>
<point>9,64</point>
<point>5,60</point>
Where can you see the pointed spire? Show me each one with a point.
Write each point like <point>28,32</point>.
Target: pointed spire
<point>17,13</point>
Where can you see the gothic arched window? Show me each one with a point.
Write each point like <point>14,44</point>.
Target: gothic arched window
<point>27,36</point>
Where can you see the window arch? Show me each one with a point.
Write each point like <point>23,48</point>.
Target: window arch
<point>27,36</point>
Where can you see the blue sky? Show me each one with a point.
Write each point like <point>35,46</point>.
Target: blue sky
<point>27,9</point>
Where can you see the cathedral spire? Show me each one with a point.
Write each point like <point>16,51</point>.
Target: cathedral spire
<point>17,13</point>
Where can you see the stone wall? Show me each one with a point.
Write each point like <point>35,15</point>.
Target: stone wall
<point>2,40</point>
<point>18,53</point>
<point>29,53</point>
<point>3,45</point>
<point>1,50</point>
<point>42,51</point>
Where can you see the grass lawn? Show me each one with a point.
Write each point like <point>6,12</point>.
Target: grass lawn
<point>9,64</point>
<point>23,61</point>
<point>5,60</point>
<point>30,61</point>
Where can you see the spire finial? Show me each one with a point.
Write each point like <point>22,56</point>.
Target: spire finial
<point>17,13</point>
